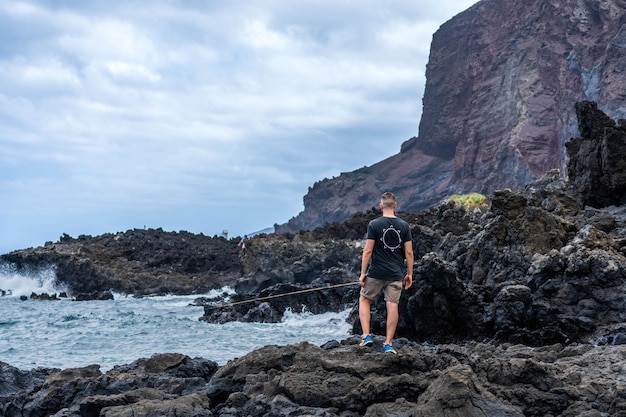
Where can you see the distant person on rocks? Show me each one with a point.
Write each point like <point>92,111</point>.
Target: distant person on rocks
<point>389,244</point>
<point>242,245</point>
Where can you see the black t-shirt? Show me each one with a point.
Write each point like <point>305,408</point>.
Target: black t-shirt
<point>389,235</point>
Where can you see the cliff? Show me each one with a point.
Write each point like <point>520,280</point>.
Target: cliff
<point>501,84</point>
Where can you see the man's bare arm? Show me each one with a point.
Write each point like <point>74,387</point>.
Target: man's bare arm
<point>367,256</point>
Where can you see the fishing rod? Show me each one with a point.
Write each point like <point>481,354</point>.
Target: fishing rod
<point>284,294</point>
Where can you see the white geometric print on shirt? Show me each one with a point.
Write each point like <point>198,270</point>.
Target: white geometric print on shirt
<point>391,238</point>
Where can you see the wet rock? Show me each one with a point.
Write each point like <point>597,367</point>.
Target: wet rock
<point>272,303</point>
<point>165,384</point>
<point>98,295</point>
<point>43,296</point>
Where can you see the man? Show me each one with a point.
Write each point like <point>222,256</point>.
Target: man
<point>389,243</point>
<point>242,245</point>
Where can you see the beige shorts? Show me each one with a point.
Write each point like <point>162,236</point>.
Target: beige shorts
<point>373,287</point>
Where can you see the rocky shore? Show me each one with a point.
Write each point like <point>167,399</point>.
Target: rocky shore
<point>517,310</point>
<point>338,379</point>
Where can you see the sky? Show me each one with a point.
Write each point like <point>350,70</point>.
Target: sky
<point>200,116</point>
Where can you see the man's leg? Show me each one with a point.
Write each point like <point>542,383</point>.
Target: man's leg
<point>392,321</point>
<point>365,314</point>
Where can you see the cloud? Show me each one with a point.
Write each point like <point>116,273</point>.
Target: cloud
<point>194,115</point>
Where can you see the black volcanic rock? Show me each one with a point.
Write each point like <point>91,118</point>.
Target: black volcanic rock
<point>597,168</point>
<point>139,262</point>
<point>470,380</point>
<point>167,384</point>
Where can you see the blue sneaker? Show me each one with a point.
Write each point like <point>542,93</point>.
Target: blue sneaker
<point>388,349</point>
<point>367,340</point>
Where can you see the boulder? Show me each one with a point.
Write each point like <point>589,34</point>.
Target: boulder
<point>597,167</point>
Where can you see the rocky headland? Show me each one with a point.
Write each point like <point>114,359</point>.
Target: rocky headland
<point>518,309</point>
<point>498,106</point>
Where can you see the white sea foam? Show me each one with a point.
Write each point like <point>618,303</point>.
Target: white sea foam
<point>16,284</point>
<point>222,294</point>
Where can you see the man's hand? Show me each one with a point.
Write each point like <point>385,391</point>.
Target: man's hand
<point>408,281</point>
<point>362,280</point>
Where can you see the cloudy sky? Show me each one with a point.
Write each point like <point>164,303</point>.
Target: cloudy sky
<point>198,115</point>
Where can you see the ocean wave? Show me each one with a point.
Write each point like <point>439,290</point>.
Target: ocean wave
<point>25,283</point>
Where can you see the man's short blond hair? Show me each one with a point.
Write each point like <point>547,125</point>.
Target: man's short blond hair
<point>388,200</point>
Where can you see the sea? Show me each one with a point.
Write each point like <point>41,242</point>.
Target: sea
<point>67,334</point>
